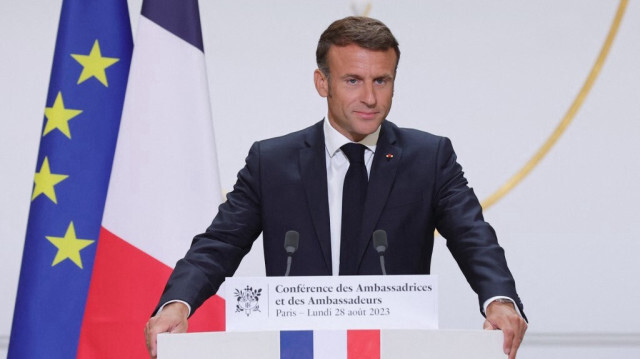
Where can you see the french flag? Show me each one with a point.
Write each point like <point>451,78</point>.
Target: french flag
<point>164,184</point>
<point>338,344</point>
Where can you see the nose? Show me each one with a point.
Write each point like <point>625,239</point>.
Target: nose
<point>369,95</point>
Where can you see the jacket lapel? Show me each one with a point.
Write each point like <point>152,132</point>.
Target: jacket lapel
<point>383,172</point>
<point>314,178</point>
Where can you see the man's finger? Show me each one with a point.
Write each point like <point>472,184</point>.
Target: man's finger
<point>151,345</point>
<point>487,325</point>
<point>153,348</point>
<point>517,340</point>
<point>150,338</point>
<point>172,318</point>
<point>514,347</point>
<point>508,341</point>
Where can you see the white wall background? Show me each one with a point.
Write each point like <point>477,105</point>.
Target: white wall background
<point>494,76</point>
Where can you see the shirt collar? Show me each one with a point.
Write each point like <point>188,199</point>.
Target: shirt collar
<point>333,139</point>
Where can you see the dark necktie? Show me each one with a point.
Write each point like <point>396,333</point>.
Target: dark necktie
<point>354,192</point>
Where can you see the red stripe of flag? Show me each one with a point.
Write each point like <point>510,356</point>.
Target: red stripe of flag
<point>125,287</point>
<point>363,344</point>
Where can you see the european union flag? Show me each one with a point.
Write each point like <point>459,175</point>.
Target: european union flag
<point>78,138</point>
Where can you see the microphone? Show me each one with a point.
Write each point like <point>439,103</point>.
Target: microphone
<point>291,239</point>
<point>381,245</point>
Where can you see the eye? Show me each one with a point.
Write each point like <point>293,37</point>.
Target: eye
<point>381,81</point>
<point>352,81</point>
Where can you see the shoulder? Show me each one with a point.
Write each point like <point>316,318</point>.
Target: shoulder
<point>411,137</point>
<point>294,140</point>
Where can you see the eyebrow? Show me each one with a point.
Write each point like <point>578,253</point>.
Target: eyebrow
<point>351,75</point>
<point>385,76</point>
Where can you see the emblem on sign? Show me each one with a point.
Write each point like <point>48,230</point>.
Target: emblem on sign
<point>248,300</point>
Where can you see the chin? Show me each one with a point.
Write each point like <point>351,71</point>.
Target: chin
<point>368,128</point>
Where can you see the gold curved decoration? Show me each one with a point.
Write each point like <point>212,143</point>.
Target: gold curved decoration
<point>367,10</point>
<point>356,8</point>
<point>566,120</point>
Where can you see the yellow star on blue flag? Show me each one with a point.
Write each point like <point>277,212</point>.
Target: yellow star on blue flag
<point>45,182</point>
<point>69,246</point>
<point>94,64</point>
<point>58,117</point>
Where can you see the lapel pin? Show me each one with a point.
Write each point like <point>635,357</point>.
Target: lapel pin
<point>389,156</point>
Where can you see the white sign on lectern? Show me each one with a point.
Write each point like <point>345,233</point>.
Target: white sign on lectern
<point>331,303</point>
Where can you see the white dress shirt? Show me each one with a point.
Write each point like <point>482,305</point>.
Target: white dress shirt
<point>337,166</point>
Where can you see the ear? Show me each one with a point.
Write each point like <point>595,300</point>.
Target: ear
<point>321,82</point>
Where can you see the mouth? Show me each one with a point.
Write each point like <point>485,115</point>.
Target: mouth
<point>366,115</point>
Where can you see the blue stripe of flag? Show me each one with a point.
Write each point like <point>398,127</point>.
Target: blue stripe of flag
<point>181,18</point>
<point>296,344</point>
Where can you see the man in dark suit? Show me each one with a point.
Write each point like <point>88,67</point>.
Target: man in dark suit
<point>338,181</point>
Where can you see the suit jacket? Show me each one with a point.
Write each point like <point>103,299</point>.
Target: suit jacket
<point>283,186</point>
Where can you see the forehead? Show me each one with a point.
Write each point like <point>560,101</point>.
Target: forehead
<point>353,59</point>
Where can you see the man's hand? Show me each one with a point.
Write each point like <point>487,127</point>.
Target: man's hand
<point>503,316</point>
<point>172,318</point>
